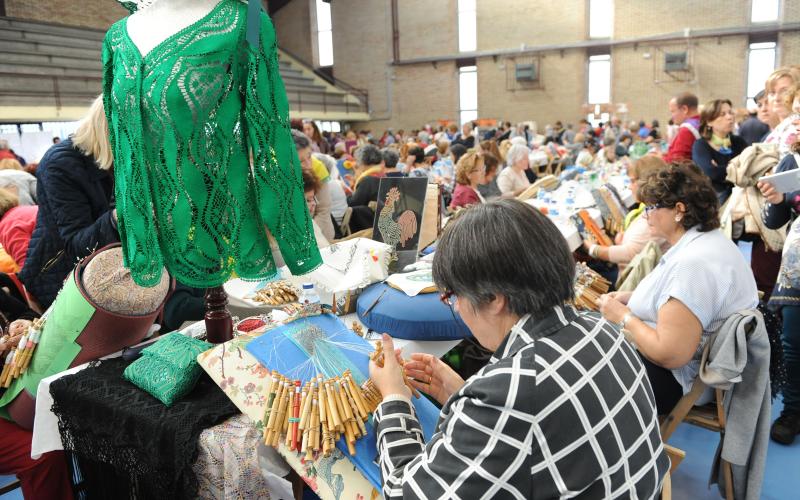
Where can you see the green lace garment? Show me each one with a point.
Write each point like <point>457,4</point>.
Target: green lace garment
<point>184,120</point>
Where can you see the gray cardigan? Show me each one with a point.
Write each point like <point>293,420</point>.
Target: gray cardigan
<point>736,359</point>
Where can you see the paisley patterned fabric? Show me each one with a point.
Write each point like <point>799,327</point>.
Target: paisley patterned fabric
<point>228,464</point>
<point>203,156</point>
<point>168,369</point>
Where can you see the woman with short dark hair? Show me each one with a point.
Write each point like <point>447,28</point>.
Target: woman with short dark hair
<point>701,281</point>
<point>718,145</point>
<point>554,387</point>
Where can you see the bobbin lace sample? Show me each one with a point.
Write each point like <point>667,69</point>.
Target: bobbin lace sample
<point>203,155</point>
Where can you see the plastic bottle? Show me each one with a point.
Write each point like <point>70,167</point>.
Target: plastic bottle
<point>309,294</point>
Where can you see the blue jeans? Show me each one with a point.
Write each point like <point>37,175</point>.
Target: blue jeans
<point>791,355</point>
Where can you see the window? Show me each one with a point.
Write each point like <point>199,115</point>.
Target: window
<point>324,33</point>
<point>327,126</point>
<point>599,79</point>
<point>760,63</point>
<point>601,18</point>
<point>467,26</point>
<point>468,93</point>
<point>765,11</point>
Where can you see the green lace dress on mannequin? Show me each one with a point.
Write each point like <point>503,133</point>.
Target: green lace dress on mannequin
<point>203,156</point>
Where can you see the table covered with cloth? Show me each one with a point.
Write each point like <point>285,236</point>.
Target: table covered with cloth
<point>126,441</point>
<point>246,381</point>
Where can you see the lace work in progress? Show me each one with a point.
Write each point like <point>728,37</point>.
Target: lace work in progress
<point>185,119</point>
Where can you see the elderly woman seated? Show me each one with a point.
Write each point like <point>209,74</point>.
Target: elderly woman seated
<point>528,424</point>
<point>512,181</point>
<point>470,172</point>
<point>699,283</point>
<point>636,232</point>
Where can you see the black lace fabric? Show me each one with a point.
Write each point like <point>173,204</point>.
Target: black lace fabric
<point>128,444</point>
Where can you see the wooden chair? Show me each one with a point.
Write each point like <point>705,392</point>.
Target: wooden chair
<point>710,416</point>
<point>666,487</point>
<point>345,225</point>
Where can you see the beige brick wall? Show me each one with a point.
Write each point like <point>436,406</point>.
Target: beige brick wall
<point>99,14</point>
<point>633,18</point>
<point>719,72</point>
<point>294,30</point>
<point>423,93</point>
<point>427,28</point>
<point>562,91</point>
<point>789,48</point>
<point>510,23</point>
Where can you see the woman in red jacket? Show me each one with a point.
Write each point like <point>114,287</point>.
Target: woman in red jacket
<point>469,173</point>
<point>16,226</point>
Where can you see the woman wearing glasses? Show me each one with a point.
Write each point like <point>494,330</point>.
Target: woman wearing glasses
<point>470,173</point>
<point>699,283</point>
<point>636,232</point>
<point>559,383</point>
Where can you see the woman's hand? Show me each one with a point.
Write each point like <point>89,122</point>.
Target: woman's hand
<point>433,376</point>
<point>770,193</point>
<point>623,297</point>
<point>18,327</point>
<point>612,309</point>
<point>389,379</point>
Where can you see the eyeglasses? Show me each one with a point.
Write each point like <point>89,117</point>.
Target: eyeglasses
<point>649,208</point>
<point>448,298</point>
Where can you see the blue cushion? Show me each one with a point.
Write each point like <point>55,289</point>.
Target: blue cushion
<point>423,317</point>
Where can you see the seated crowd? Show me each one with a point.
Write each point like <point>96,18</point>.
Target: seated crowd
<point>569,403</point>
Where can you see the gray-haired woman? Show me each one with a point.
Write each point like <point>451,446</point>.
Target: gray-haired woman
<point>558,384</point>
<point>513,180</point>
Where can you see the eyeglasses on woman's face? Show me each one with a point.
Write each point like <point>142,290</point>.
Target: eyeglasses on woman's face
<point>648,209</point>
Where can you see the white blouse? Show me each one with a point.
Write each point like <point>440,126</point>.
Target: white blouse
<point>707,273</point>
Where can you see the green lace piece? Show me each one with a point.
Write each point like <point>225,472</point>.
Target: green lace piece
<point>184,120</point>
<point>168,369</point>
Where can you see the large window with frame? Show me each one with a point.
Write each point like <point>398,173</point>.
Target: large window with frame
<point>760,63</point>
<point>467,26</point>
<point>599,81</point>
<point>468,93</point>
<point>765,11</point>
<point>324,33</point>
<point>601,18</point>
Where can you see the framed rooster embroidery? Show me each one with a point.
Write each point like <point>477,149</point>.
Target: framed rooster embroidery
<point>398,219</point>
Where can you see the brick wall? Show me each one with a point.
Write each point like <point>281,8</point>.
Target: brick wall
<point>294,30</point>
<point>99,14</point>
<point>424,92</point>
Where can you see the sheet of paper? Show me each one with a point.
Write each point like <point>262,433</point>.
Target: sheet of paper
<point>784,182</point>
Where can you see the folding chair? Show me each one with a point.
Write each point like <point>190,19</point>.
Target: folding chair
<point>710,416</point>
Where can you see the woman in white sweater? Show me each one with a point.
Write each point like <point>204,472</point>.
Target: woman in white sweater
<point>512,181</point>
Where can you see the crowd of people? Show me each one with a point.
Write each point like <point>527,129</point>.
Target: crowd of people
<point>685,213</point>
<point>689,198</point>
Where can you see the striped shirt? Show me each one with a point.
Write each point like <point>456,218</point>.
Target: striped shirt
<point>564,408</point>
<point>707,273</point>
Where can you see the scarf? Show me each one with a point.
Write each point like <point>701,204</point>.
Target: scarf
<point>723,145</point>
<point>371,171</point>
<point>633,215</point>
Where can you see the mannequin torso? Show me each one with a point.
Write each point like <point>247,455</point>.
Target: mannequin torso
<point>149,27</point>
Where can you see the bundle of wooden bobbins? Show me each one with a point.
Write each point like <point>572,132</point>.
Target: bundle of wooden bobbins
<point>313,417</point>
<point>18,359</point>
<point>589,286</point>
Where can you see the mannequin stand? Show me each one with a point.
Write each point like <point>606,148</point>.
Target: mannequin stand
<point>219,324</point>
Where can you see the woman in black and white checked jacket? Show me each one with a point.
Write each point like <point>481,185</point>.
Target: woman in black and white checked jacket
<point>563,409</point>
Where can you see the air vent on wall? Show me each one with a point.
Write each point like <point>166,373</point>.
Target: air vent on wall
<point>676,61</point>
<point>526,73</point>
